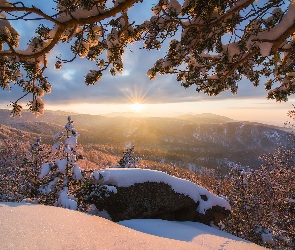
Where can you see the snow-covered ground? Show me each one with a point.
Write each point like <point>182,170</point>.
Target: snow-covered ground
<point>27,226</point>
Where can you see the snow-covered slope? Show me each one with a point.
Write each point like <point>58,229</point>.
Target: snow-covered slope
<point>27,226</point>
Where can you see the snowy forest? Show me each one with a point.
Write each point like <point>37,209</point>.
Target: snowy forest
<point>212,46</point>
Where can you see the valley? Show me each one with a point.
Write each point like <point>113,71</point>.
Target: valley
<point>188,141</point>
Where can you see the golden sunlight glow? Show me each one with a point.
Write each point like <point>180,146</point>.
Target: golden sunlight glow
<point>136,107</point>
<point>135,98</point>
<point>269,112</point>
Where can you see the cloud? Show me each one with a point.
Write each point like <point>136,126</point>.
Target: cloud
<point>164,89</point>
<point>68,84</point>
<point>69,74</point>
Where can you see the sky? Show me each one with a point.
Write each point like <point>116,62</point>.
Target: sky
<point>133,91</point>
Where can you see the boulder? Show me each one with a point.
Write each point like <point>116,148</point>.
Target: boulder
<point>157,195</point>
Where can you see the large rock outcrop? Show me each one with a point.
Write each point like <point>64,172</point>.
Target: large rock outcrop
<point>136,193</point>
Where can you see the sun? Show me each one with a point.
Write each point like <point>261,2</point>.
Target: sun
<point>136,99</point>
<point>136,107</point>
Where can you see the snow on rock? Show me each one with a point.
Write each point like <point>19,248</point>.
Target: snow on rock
<point>124,177</point>
<point>101,175</point>
<point>28,226</point>
<point>111,189</point>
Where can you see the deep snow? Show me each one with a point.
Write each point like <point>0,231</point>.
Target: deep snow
<point>28,226</point>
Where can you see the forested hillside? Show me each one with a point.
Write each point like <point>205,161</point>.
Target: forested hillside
<point>189,141</point>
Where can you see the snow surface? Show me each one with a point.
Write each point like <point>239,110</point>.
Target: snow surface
<point>28,226</point>
<point>124,177</point>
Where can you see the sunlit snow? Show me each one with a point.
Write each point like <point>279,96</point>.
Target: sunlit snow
<point>124,177</point>
<point>27,226</point>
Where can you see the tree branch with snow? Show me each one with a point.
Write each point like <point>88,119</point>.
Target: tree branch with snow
<point>220,43</point>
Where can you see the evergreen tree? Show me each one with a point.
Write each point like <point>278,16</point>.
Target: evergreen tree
<point>62,177</point>
<point>128,160</point>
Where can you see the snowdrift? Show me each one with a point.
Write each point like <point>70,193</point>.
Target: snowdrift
<point>28,226</point>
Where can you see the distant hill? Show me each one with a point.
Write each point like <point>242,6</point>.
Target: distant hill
<point>204,118</point>
<point>188,140</point>
<point>7,132</point>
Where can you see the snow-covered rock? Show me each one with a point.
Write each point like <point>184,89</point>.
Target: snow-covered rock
<point>143,193</point>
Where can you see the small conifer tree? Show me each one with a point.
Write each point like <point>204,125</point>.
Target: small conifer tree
<point>62,177</point>
<point>128,160</point>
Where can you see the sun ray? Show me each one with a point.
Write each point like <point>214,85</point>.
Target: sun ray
<point>135,98</point>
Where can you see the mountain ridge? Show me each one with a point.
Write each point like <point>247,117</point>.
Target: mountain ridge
<point>195,140</point>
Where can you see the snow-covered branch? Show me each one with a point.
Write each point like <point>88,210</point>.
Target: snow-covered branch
<point>220,41</point>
